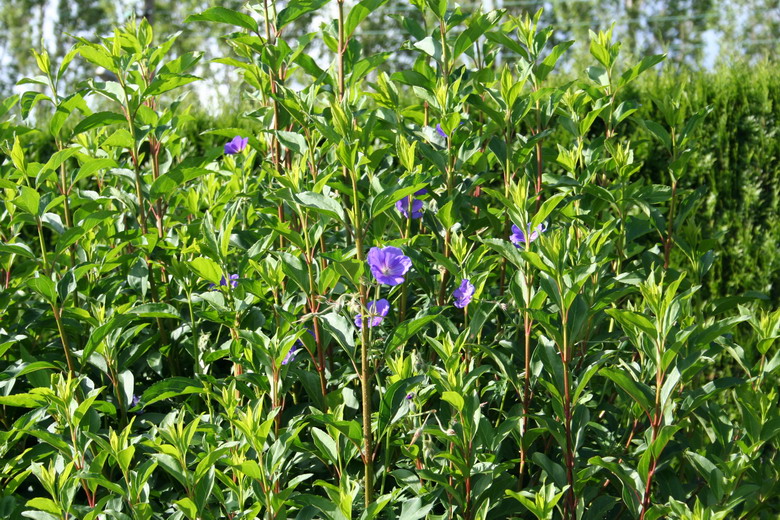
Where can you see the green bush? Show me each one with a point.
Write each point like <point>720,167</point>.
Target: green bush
<point>453,291</point>
<point>736,165</point>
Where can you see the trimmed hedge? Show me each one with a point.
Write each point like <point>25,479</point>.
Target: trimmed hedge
<point>736,163</point>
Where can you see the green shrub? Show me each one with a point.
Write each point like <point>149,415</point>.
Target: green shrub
<point>464,301</point>
<point>735,162</point>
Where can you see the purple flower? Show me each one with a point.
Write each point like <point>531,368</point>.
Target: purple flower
<point>290,354</point>
<point>377,310</point>
<point>296,348</point>
<point>134,402</point>
<point>463,294</point>
<point>403,205</point>
<point>233,281</point>
<point>440,131</point>
<point>518,237</point>
<point>223,282</point>
<point>236,145</point>
<point>410,395</point>
<point>388,265</point>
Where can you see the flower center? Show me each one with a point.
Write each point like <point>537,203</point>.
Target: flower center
<point>385,269</point>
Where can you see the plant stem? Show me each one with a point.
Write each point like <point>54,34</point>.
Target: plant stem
<point>43,244</point>
<point>669,226</point>
<point>571,500</point>
<point>656,425</point>
<point>314,308</point>
<point>341,49</point>
<point>538,158</point>
<point>368,442</point>
<point>527,327</point>
<point>64,339</point>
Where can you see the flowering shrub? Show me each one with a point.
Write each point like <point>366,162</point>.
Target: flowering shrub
<point>281,328</point>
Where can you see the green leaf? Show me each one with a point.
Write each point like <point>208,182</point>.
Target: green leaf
<point>166,82</point>
<point>169,182</point>
<point>155,310</point>
<point>529,504</point>
<point>390,196</point>
<point>430,46</point>
<point>476,28</point>
<point>7,104</point>
<point>705,336</point>
<point>187,507</point>
<point>712,474</point>
<point>630,319</point>
<point>415,509</point>
<point>22,400</point>
<point>545,209</point>
<point>547,66</point>
<point>100,333</point>
<point>633,488</point>
<point>697,396</point>
<point>413,78</point>
<point>638,391</point>
<point>439,7</point>
<point>659,132</point>
<point>326,445</point>
<point>45,287</point>
<point>97,55</point>
<point>44,504</point>
<point>632,73</point>
<point>207,269</point>
<point>29,201</point>
<point>84,406</point>
<point>226,16</point>
<point>359,13</point>
<point>321,204</point>
<point>404,331</point>
<point>67,285</point>
<point>455,399</point>
<point>127,385</point>
<point>182,64</point>
<point>91,166</point>
<point>121,138</point>
<point>294,268</point>
<point>341,329</point>
<point>18,248</point>
<point>251,469</point>
<point>295,10</point>
<point>98,120</point>
<point>29,100</point>
<point>58,158</point>
<point>171,387</point>
<point>507,250</point>
<point>17,156</point>
<point>446,215</point>
<point>22,369</point>
<point>293,141</point>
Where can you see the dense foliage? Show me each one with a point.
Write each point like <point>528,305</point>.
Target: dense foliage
<point>448,292</point>
<point>735,165</point>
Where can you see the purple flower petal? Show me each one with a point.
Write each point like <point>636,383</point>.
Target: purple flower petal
<point>440,131</point>
<point>377,310</point>
<point>518,237</point>
<point>403,207</point>
<point>233,281</point>
<point>463,294</point>
<point>290,354</point>
<point>236,145</point>
<point>388,265</point>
